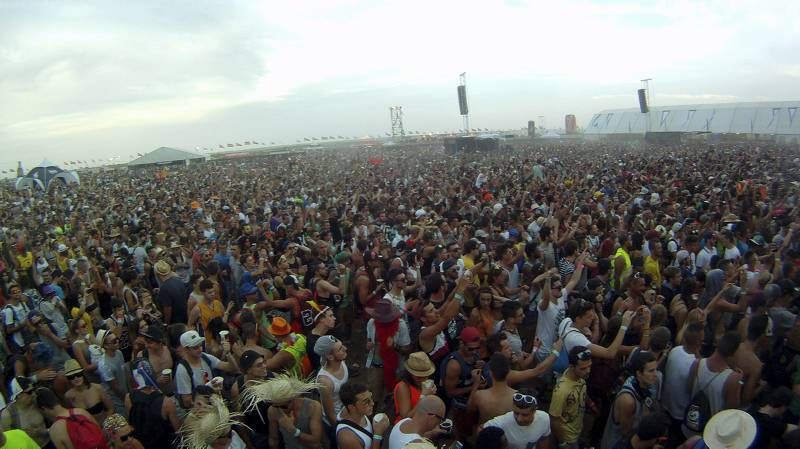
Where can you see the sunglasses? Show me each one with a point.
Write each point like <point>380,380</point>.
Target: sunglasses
<point>638,275</point>
<point>525,399</point>
<point>74,376</point>
<point>124,438</point>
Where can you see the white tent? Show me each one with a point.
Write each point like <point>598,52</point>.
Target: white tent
<point>44,175</point>
<point>770,118</point>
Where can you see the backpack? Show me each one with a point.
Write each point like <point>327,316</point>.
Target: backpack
<point>698,412</point>
<point>203,358</point>
<point>83,433</point>
<point>562,362</point>
<point>145,416</point>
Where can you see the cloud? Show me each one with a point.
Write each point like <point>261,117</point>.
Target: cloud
<point>79,74</point>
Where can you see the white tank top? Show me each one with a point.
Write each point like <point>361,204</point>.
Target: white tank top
<point>398,438</point>
<point>676,376</point>
<point>337,386</point>
<point>714,388</point>
<point>366,440</point>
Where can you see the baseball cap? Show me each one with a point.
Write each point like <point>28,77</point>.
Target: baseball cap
<point>291,280</point>
<point>153,332</point>
<point>324,345</point>
<point>470,334</point>
<point>248,359</point>
<point>191,339</point>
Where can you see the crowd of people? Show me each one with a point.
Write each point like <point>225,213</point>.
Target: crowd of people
<point>571,295</point>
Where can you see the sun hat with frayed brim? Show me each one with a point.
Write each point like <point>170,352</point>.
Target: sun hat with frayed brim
<point>419,364</point>
<point>730,429</point>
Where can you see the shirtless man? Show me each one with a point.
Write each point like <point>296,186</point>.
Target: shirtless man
<point>157,353</point>
<point>759,332</point>
<point>497,399</point>
<point>48,404</point>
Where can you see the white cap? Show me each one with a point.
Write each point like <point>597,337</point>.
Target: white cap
<point>191,339</point>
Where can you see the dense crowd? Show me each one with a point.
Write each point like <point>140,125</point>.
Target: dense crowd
<point>569,295</point>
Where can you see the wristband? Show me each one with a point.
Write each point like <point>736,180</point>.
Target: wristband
<point>297,432</point>
<point>555,352</point>
<point>377,437</point>
<point>623,328</point>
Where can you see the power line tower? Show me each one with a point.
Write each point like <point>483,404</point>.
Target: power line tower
<point>396,115</point>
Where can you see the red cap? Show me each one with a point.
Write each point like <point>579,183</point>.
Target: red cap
<point>470,334</point>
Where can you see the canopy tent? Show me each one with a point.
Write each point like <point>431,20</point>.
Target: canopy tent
<point>44,175</point>
<point>166,156</point>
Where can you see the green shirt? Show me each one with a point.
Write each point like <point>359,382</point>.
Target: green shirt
<point>17,439</point>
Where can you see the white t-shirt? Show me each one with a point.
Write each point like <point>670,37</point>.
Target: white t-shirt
<point>572,336</point>
<point>704,257</point>
<point>547,324</point>
<point>520,437</point>
<point>732,253</point>
<point>401,338</point>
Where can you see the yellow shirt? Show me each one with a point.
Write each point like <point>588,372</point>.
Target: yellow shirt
<point>568,403</point>
<point>653,267</point>
<point>625,269</point>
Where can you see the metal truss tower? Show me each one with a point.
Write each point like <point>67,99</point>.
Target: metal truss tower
<point>396,115</point>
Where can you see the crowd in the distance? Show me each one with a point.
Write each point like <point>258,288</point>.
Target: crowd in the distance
<point>569,295</point>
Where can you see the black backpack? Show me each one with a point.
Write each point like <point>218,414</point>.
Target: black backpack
<point>698,411</point>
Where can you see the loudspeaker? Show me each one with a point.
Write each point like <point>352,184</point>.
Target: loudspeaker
<point>462,100</point>
<point>531,128</point>
<point>643,101</point>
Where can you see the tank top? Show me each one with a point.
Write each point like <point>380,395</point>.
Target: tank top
<point>613,431</point>
<point>208,312</point>
<point>440,348</point>
<point>626,269</point>
<point>398,438</point>
<point>366,439</point>
<point>125,291</point>
<point>676,373</point>
<point>337,386</point>
<point>415,394</point>
<point>713,388</point>
<point>303,423</point>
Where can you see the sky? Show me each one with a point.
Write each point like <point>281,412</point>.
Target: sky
<point>110,79</point>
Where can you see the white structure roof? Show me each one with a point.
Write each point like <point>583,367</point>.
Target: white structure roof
<point>164,155</point>
<point>772,118</point>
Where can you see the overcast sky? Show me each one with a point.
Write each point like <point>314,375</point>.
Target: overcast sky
<point>92,79</point>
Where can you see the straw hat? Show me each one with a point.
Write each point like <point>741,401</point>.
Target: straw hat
<point>277,390</point>
<point>419,364</point>
<point>71,366</point>
<point>162,268</point>
<point>204,426</point>
<point>730,429</point>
